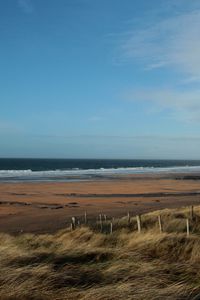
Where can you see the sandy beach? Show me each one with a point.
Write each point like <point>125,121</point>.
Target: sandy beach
<point>42,207</point>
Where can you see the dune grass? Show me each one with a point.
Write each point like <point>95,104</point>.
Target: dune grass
<point>85,264</point>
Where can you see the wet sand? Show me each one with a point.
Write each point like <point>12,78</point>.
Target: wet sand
<point>44,207</point>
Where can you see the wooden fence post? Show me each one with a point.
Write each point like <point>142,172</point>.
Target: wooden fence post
<point>128,216</point>
<point>138,218</point>
<point>101,224</point>
<point>85,217</point>
<point>188,227</point>
<point>105,218</point>
<point>73,223</point>
<point>111,227</point>
<point>192,212</point>
<point>160,223</point>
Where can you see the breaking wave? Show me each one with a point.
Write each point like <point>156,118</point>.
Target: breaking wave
<point>83,174</point>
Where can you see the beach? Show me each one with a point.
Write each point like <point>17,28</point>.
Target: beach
<point>45,207</point>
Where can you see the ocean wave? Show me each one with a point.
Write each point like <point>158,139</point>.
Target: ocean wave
<point>58,173</point>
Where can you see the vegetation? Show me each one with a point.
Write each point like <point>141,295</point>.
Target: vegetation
<point>85,264</point>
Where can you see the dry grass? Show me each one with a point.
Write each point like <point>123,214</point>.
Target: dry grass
<point>85,264</point>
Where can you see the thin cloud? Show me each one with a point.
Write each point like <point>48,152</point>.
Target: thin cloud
<point>26,6</point>
<point>122,137</point>
<point>7,127</point>
<point>173,42</point>
<point>95,119</point>
<point>184,104</point>
<point>173,45</point>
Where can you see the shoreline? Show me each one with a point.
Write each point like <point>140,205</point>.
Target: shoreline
<point>29,176</point>
<point>45,207</point>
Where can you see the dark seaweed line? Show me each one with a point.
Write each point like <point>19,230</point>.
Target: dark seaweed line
<point>147,195</point>
<point>38,205</point>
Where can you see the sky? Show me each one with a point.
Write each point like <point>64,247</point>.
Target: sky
<point>100,79</point>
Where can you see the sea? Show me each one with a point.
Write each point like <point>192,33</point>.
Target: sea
<point>29,169</point>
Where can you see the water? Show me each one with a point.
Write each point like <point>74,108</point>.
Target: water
<point>86,169</point>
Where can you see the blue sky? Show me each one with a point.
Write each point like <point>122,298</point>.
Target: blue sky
<point>100,79</point>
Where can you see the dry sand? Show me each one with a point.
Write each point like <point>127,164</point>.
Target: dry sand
<point>47,207</point>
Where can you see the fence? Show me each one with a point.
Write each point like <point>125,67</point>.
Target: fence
<point>105,224</point>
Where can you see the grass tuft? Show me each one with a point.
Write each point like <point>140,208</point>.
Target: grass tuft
<point>85,264</point>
